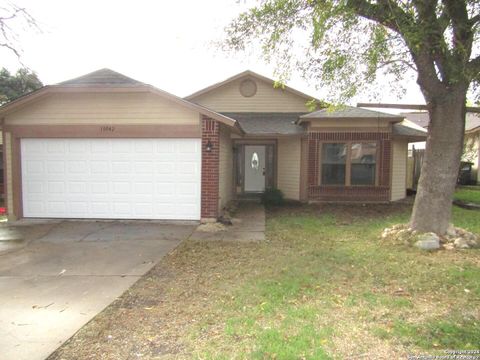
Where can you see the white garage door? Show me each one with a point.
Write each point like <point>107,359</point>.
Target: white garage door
<point>111,178</point>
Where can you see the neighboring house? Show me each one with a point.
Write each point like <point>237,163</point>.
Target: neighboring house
<point>472,136</point>
<point>106,146</point>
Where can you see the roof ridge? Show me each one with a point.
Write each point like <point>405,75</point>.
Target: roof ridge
<point>107,71</point>
<point>348,110</point>
<point>244,73</point>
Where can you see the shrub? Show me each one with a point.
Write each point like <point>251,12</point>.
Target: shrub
<point>272,196</point>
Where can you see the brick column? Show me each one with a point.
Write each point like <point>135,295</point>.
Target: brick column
<point>385,166</point>
<point>210,169</point>
<point>313,161</point>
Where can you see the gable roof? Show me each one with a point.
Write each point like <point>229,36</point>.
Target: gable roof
<point>349,112</point>
<point>247,73</point>
<point>102,77</point>
<point>268,123</point>
<point>422,118</point>
<point>106,80</point>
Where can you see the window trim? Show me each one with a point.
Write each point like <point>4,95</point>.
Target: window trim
<point>348,162</point>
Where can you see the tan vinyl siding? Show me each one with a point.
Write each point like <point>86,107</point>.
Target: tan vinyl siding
<point>225,168</point>
<point>101,108</point>
<point>8,168</point>
<point>399,169</point>
<point>227,98</point>
<point>288,167</point>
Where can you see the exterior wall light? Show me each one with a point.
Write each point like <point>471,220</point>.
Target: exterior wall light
<point>209,146</point>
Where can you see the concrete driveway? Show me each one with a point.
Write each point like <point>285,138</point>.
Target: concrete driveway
<point>68,272</point>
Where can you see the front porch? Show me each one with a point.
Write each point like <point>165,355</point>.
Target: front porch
<point>254,166</point>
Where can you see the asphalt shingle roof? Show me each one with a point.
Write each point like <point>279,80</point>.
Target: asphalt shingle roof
<point>400,129</point>
<point>348,112</point>
<point>268,123</point>
<point>472,120</point>
<point>285,124</point>
<point>104,77</point>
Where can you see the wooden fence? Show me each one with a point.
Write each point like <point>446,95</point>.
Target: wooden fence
<point>414,164</point>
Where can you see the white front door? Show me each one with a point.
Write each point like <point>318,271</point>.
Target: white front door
<point>255,168</point>
<point>111,178</point>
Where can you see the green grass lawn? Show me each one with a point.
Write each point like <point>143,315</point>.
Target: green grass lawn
<point>328,288</point>
<point>323,286</point>
<point>468,194</point>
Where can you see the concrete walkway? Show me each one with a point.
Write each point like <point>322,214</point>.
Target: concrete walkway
<point>67,272</point>
<point>248,225</point>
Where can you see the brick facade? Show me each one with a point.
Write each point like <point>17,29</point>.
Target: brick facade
<point>210,168</point>
<point>349,193</point>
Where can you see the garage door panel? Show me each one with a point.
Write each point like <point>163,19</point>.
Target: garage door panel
<point>111,178</point>
<point>186,189</point>
<point>36,206</point>
<point>77,187</point>
<point>33,187</point>
<point>35,147</point>
<point>78,207</point>
<point>55,167</point>
<point>144,167</point>
<point>35,167</point>
<point>56,207</point>
<point>56,187</point>
<point>143,209</point>
<point>99,208</point>
<point>144,147</point>
<point>143,188</point>
<point>77,147</point>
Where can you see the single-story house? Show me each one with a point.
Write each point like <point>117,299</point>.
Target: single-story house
<point>472,136</point>
<point>105,146</point>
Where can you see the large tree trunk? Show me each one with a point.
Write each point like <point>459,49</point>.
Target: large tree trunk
<point>433,203</point>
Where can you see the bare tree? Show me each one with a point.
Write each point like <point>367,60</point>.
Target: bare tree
<point>14,18</point>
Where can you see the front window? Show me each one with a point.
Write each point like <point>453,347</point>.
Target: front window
<point>363,160</point>
<point>349,163</point>
<point>334,157</point>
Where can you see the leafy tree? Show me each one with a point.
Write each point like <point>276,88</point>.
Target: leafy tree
<point>344,45</point>
<point>13,86</point>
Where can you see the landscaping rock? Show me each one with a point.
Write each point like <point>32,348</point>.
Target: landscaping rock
<point>467,241</point>
<point>428,241</point>
<point>461,243</point>
<point>454,238</point>
<point>451,231</point>
<point>449,246</point>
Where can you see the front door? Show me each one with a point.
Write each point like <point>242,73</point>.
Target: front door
<point>255,168</point>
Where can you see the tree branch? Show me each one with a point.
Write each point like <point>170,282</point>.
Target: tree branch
<point>8,37</point>
<point>475,19</point>
<point>385,12</point>
<point>462,28</point>
<point>393,61</point>
<point>473,66</point>
<point>389,14</point>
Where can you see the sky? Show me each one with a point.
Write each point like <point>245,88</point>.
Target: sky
<point>168,44</point>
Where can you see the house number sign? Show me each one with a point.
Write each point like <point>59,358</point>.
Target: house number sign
<point>107,128</point>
